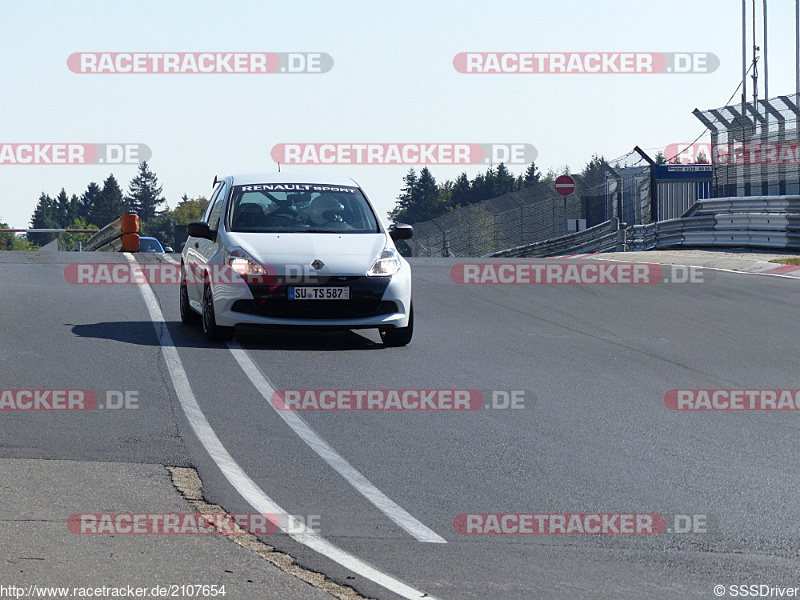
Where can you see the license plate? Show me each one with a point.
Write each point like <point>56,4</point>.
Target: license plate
<point>319,293</point>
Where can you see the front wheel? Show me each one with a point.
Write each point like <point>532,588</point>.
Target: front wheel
<point>210,328</point>
<point>399,336</point>
<point>188,316</point>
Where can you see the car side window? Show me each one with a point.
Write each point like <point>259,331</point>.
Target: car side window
<point>216,208</point>
<point>211,202</point>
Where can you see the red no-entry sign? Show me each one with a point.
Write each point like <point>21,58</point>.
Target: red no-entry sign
<point>565,185</point>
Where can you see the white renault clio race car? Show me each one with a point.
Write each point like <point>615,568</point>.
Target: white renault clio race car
<point>295,250</point>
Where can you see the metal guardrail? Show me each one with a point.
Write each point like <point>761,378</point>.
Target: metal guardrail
<point>754,221</point>
<point>600,238</point>
<point>747,204</point>
<point>120,235</point>
<point>48,230</point>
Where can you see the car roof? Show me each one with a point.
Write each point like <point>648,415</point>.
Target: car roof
<point>290,177</point>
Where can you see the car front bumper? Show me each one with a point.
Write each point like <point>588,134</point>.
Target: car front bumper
<point>375,302</point>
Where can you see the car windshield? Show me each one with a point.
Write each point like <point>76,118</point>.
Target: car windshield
<point>149,245</point>
<point>300,208</point>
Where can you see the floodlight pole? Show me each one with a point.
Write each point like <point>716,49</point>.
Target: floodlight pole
<point>744,52</point>
<point>766,68</point>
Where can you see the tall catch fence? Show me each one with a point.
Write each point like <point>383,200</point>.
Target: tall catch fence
<point>530,215</point>
<point>755,147</point>
<point>754,151</point>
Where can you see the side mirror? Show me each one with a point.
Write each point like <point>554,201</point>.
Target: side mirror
<point>199,229</point>
<point>401,231</point>
<point>168,249</point>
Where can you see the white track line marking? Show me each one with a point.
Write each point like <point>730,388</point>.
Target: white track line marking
<point>644,262</point>
<point>304,431</point>
<point>246,487</point>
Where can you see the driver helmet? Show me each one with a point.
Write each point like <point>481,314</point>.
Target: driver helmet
<point>324,209</point>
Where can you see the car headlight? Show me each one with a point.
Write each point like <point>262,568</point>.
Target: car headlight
<point>388,263</point>
<point>245,265</point>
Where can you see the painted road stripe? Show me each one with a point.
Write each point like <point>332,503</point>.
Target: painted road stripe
<point>642,262</point>
<point>382,502</point>
<point>573,255</point>
<point>246,487</point>
<point>304,431</point>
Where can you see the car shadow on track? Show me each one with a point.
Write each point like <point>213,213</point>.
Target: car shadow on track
<point>294,339</point>
<point>142,333</point>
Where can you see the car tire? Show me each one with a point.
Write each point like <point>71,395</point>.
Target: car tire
<point>188,316</point>
<point>210,328</point>
<point>399,336</point>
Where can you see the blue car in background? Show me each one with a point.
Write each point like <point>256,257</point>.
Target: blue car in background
<point>151,244</point>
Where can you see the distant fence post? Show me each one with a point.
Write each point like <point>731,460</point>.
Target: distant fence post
<point>620,228</point>
<point>445,243</point>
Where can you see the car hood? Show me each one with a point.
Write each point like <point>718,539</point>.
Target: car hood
<point>342,254</point>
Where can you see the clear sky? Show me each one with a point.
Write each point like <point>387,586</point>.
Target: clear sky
<point>392,81</point>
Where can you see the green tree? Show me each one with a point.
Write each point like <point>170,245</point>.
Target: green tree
<point>462,191</point>
<point>428,206</point>
<point>45,216</point>
<point>549,178</point>
<point>62,208</point>
<point>68,241</point>
<point>189,210</point>
<point>173,223</point>
<point>66,208</point>
<point>406,200</point>
<point>660,158</point>
<point>446,194</point>
<point>110,206</point>
<point>421,199</point>
<point>144,195</point>
<point>593,177</point>
<point>12,241</point>
<point>531,177</point>
<point>504,181</point>
<point>88,201</point>
<point>161,227</point>
<point>483,186</point>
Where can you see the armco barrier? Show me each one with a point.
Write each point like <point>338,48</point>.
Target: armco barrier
<point>751,222</point>
<point>121,235</point>
<point>741,222</point>
<point>601,238</point>
<point>745,204</point>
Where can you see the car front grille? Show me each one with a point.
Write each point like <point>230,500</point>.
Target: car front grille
<point>365,301</point>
